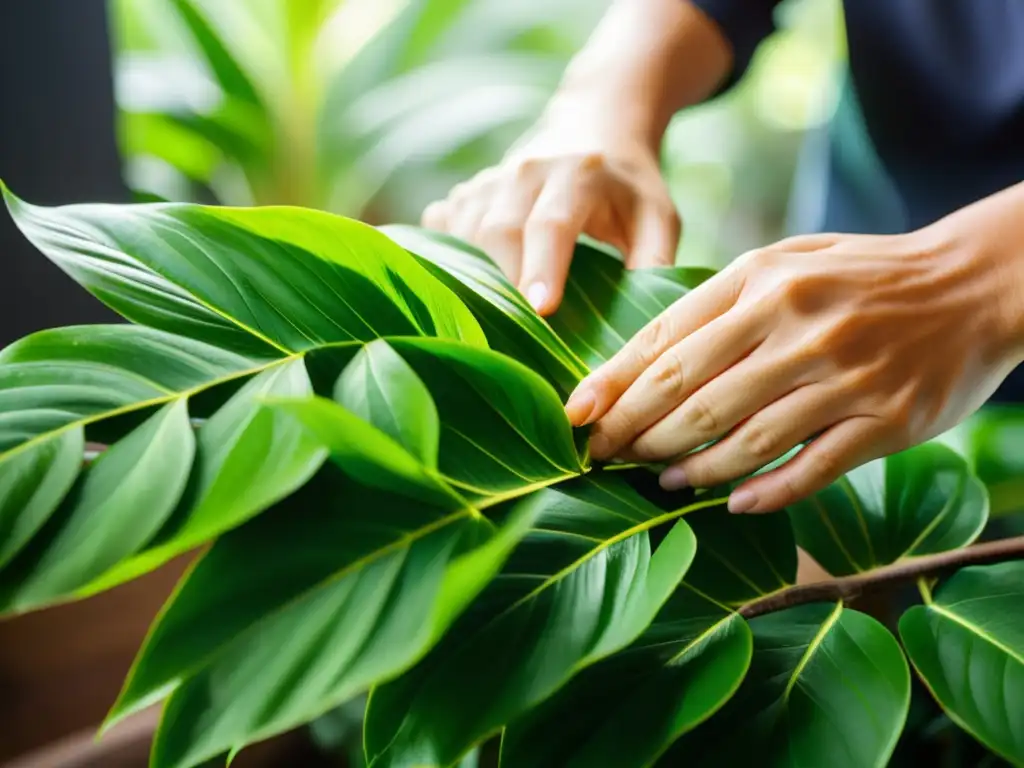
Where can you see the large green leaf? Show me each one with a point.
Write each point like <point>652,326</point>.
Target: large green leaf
<point>624,711</point>
<point>606,304</point>
<point>268,281</point>
<point>119,504</point>
<point>507,318</point>
<point>628,708</point>
<point>917,502</point>
<point>33,480</point>
<point>363,573</point>
<point>503,428</point>
<point>967,644</point>
<point>826,686</point>
<point>583,584</point>
<point>56,383</point>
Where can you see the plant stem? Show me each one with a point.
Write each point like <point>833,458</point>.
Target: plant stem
<point>849,587</point>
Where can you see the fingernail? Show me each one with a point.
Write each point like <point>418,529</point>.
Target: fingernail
<point>580,406</point>
<point>599,446</point>
<point>537,295</point>
<point>673,479</point>
<point>742,501</point>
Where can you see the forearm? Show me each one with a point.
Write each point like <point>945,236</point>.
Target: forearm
<point>646,60</point>
<point>990,236</point>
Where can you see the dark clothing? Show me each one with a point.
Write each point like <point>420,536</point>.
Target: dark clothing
<point>931,117</point>
<point>57,145</point>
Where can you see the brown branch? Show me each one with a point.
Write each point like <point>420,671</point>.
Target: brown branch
<point>849,587</point>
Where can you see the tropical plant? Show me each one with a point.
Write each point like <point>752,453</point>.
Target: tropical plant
<point>363,431</point>
<point>332,104</point>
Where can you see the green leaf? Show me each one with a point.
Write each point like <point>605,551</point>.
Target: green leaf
<point>606,304</point>
<point>119,504</point>
<point>33,480</point>
<point>627,709</point>
<point>511,325</point>
<point>992,438</point>
<point>248,456</point>
<point>826,686</point>
<point>741,557</point>
<point>583,584</point>
<point>968,647</point>
<point>381,388</point>
<point>361,576</point>
<point>917,502</point>
<point>264,281</point>
<point>503,428</point>
<point>73,377</point>
<point>55,383</point>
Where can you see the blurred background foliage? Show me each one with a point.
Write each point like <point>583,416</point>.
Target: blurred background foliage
<point>373,108</point>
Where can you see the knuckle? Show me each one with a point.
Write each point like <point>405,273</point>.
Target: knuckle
<point>528,168</point>
<point>758,259</point>
<point>762,441</point>
<point>591,162</point>
<point>652,338</point>
<point>669,373</point>
<point>701,416</point>
<point>551,223</point>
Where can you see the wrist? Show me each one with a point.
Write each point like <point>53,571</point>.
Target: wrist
<point>989,237</point>
<point>646,60</point>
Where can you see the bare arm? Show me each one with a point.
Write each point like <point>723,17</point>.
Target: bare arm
<point>590,165</point>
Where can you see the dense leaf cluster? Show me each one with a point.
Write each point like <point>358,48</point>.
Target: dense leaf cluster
<point>363,430</point>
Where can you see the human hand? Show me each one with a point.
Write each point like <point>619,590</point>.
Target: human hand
<point>528,211</point>
<point>868,344</point>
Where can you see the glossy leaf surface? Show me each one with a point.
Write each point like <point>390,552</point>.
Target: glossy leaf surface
<point>364,571</point>
<point>118,505</point>
<point>508,320</point>
<point>627,709</point>
<point>630,707</point>
<point>606,304</point>
<point>968,647</point>
<point>264,281</point>
<point>378,386</point>
<point>826,685</point>
<point>917,502</point>
<point>583,584</point>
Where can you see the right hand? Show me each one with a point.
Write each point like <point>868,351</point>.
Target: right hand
<point>527,211</point>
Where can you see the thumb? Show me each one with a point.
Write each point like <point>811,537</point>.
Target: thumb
<point>656,231</point>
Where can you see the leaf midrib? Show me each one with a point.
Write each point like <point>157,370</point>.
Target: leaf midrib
<point>976,630</point>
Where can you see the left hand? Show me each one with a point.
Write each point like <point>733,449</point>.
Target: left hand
<point>867,344</point>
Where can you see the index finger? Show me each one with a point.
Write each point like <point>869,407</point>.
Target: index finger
<point>599,391</point>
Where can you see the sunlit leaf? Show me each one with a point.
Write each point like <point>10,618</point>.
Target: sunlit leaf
<point>264,282</point>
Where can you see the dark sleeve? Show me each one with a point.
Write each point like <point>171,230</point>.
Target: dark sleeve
<point>745,23</point>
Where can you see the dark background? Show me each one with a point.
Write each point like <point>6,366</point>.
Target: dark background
<point>57,145</point>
